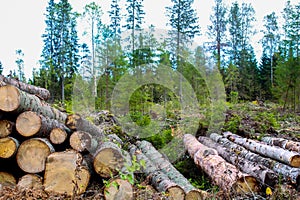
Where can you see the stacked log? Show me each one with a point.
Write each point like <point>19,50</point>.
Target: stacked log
<point>283,143</point>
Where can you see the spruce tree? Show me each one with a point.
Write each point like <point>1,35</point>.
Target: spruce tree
<point>1,68</point>
<point>20,64</point>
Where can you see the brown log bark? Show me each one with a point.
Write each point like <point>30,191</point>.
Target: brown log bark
<point>30,124</point>
<point>32,154</point>
<point>118,189</point>
<point>58,136</point>
<point>262,173</point>
<point>7,179</point>
<point>277,153</point>
<point>283,143</point>
<point>8,147</point>
<point>65,173</point>
<point>6,128</point>
<point>158,179</point>
<point>30,181</point>
<point>223,174</point>
<point>14,100</point>
<point>289,173</point>
<point>167,168</point>
<point>31,89</point>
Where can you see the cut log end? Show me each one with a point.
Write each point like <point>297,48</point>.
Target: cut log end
<point>8,147</point>
<point>7,179</point>
<point>6,128</point>
<point>58,136</point>
<point>119,189</point>
<point>30,181</point>
<point>81,141</point>
<point>246,184</point>
<point>71,121</point>
<point>175,192</point>
<point>9,98</point>
<point>194,195</point>
<point>28,123</point>
<point>295,161</point>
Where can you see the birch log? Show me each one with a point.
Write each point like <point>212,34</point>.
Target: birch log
<point>158,179</point>
<point>167,168</point>
<point>283,143</point>
<point>31,89</point>
<point>14,100</point>
<point>277,153</point>
<point>262,173</point>
<point>223,174</point>
<point>8,147</point>
<point>6,128</point>
<point>30,124</point>
<point>289,173</point>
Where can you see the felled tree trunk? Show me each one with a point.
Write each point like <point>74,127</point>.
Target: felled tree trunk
<point>223,174</point>
<point>30,181</point>
<point>289,173</point>
<point>167,168</point>
<point>6,128</point>
<point>262,173</point>
<point>283,143</point>
<point>158,179</point>
<point>31,89</point>
<point>58,136</point>
<point>32,154</point>
<point>82,141</point>
<point>277,153</point>
<point>7,179</point>
<point>14,100</point>
<point>118,189</point>
<point>30,124</point>
<point>8,147</point>
<point>65,173</point>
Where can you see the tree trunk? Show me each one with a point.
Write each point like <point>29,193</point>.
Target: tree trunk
<point>166,167</point>
<point>58,136</point>
<point>8,147</point>
<point>30,181</point>
<point>30,124</point>
<point>158,179</point>
<point>31,89</point>
<point>223,174</point>
<point>14,100</point>
<point>289,173</point>
<point>262,173</point>
<point>65,174</point>
<point>32,154</point>
<point>6,128</point>
<point>7,179</point>
<point>118,189</point>
<point>277,153</point>
<point>283,143</point>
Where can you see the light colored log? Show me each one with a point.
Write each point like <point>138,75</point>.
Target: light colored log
<point>262,173</point>
<point>118,189</point>
<point>8,147</point>
<point>289,173</point>
<point>14,100</point>
<point>222,173</point>
<point>66,174</point>
<point>31,89</point>
<point>7,179</point>
<point>6,128</point>
<point>82,141</point>
<point>277,153</point>
<point>58,136</point>
<point>30,181</point>
<point>32,154</point>
<point>30,124</point>
<point>283,143</point>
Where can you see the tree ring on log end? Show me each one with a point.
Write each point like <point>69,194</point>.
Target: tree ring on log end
<point>295,161</point>
<point>28,123</point>
<point>9,98</point>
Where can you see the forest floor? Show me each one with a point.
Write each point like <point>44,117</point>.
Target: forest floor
<point>251,120</point>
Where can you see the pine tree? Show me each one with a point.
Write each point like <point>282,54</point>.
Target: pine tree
<point>115,18</point>
<point>20,63</point>
<point>1,68</point>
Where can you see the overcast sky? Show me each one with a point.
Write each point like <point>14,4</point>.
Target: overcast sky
<point>22,23</point>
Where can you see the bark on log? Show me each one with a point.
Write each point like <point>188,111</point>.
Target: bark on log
<point>277,153</point>
<point>109,159</point>
<point>30,181</point>
<point>118,189</point>
<point>7,179</point>
<point>166,167</point>
<point>158,179</point>
<point>30,124</point>
<point>65,173</point>
<point>6,128</point>
<point>8,147</point>
<point>14,100</point>
<point>58,136</point>
<point>283,143</point>
<point>262,173</point>
<point>32,154</point>
<point>223,174</point>
<point>31,89</point>
<point>289,173</point>
<point>82,141</point>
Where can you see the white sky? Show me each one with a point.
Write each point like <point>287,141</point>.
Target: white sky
<point>22,24</point>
